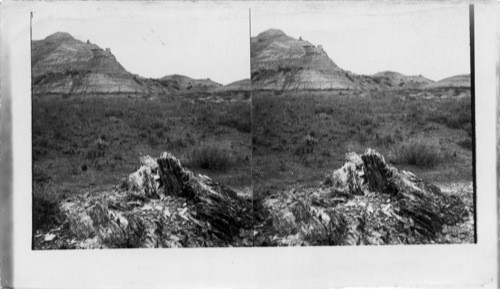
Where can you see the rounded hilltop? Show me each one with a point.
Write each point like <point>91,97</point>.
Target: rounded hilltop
<point>457,81</point>
<point>59,36</point>
<point>271,33</point>
<point>62,64</point>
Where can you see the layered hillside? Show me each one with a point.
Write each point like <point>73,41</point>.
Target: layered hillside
<point>62,64</point>
<point>457,81</point>
<point>399,80</point>
<point>184,83</point>
<point>281,62</point>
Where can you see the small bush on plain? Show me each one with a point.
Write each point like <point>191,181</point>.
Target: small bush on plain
<point>214,157</point>
<point>45,210</point>
<point>422,153</point>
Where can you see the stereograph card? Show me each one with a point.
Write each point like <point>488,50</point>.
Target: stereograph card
<point>289,144</point>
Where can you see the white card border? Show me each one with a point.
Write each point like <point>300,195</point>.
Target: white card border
<point>471,265</point>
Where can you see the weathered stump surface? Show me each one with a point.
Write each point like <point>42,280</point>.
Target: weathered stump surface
<point>366,201</point>
<point>160,205</point>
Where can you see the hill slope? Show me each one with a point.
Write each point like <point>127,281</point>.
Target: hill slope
<point>457,81</point>
<point>399,80</point>
<point>184,83</point>
<point>281,62</point>
<point>62,64</point>
<point>240,85</point>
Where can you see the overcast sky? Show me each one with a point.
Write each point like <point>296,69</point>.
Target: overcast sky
<point>154,39</point>
<point>210,40</point>
<point>365,38</point>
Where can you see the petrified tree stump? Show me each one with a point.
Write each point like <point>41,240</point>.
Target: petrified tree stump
<point>162,205</point>
<point>366,201</point>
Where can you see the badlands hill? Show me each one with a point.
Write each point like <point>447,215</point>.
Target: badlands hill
<point>396,80</point>
<point>458,81</point>
<point>281,62</point>
<point>240,85</point>
<point>184,83</point>
<point>62,64</point>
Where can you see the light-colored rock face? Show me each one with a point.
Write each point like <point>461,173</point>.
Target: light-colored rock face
<point>88,83</point>
<point>289,53</point>
<point>281,62</point>
<point>58,54</point>
<point>62,64</point>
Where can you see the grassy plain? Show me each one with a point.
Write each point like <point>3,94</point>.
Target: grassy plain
<point>91,143</point>
<point>300,137</point>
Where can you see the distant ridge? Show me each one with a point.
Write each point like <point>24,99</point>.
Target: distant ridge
<point>184,83</point>
<point>396,79</point>
<point>240,85</point>
<point>457,81</point>
<point>281,62</point>
<point>64,65</point>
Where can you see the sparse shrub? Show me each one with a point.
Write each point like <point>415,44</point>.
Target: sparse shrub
<point>466,144</point>
<point>74,170</point>
<point>323,109</point>
<point>422,153</point>
<point>59,135</point>
<point>416,112</point>
<point>45,210</point>
<point>456,114</point>
<point>310,139</point>
<point>160,134</point>
<point>68,151</point>
<point>214,157</point>
<point>367,121</point>
<point>153,140</point>
<point>94,153</point>
<point>385,140</point>
<point>238,117</point>
<point>158,125</point>
<point>114,112</point>
<point>99,166</point>
<point>40,177</point>
<point>363,136</point>
<point>178,143</point>
<point>118,157</point>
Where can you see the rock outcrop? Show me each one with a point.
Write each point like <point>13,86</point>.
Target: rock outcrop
<point>62,64</point>
<point>367,201</point>
<point>160,205</point>
<point>281,62</point>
